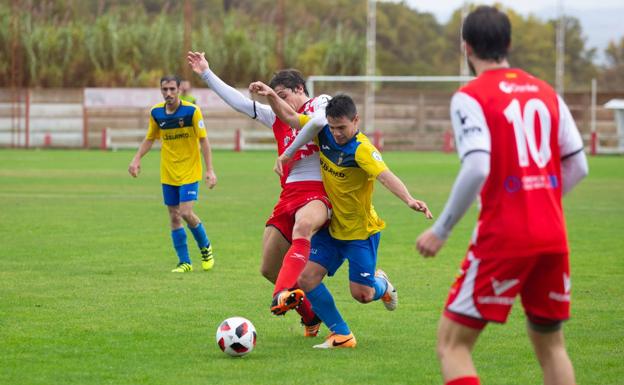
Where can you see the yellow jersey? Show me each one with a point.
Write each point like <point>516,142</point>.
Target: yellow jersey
<point>180,159</point>
<point>349,172</point>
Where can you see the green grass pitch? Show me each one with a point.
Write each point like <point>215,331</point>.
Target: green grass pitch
<point>86,296</point>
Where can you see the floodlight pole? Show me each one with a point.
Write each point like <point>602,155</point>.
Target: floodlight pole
<point>560,45</point>
<point>369,119</point>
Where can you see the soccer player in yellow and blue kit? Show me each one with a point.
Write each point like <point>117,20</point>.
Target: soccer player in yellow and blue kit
<point>349,166</point>
<point>180,127</point>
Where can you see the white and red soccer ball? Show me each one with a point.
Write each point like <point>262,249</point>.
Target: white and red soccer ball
<point>236,336</point>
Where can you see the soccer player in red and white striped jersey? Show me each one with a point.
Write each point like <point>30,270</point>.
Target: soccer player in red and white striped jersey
<point>303,207</point>
<point>520,151</point>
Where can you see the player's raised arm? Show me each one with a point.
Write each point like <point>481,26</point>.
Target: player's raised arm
<point>261,112</point>
<point>282,109</point>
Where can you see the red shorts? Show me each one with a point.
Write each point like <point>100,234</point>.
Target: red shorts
<point>487,288</point>
<point>294,196</point>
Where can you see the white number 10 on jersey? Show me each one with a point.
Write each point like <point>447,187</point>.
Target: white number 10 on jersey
<point>524,128</point>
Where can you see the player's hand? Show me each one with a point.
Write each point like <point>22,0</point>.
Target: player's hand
<point>197,61</point>
<point>279,164</point>
<point>260,88</point>
<point>211,179</point>
<point>421,206</point>
<point>134,168</point>
<point>428,244</point>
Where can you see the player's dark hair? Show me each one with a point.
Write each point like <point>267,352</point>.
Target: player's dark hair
<point>169,78</point>
<point>289,78</point>
<point>488,31</point>
<point>339,106</point>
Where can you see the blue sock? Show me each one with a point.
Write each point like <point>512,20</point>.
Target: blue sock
<point>325,308</point>
<point>380,286</point>
<point>179,244</point>
<point>199,233</point>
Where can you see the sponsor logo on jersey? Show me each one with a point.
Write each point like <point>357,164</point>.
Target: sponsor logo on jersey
<point>328,169</point>
<point>466,129</point>
<point>462,119</point>
<point>510,88</point>
<point>182,135</point>
<point>513,183</point>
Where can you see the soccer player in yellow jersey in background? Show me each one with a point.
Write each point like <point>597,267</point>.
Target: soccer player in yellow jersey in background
<point>180,127</point>
<point>349,166</point>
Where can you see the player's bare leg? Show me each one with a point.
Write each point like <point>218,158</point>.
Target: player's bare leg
<point>186,212</point>
<point>274,246</point>
<point>455,343</point>
<point>553,358</point>
<point>308,220</point>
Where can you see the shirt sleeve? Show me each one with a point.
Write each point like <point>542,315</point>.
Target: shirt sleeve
<point>319,103</point>
<point>311,126</point>
<point>473,173</point>
<point>570,141</point>
<point>370,159</point>
<point>239,102</point>
<point>198,123</point>
<point>153,131</point>
<point>469,125</point>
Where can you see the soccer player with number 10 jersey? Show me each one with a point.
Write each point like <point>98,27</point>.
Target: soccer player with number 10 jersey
<point>520,152</point>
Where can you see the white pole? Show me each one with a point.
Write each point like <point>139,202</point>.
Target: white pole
<point>369,120</point>
<point>560,45</point>
<point>593,138</point>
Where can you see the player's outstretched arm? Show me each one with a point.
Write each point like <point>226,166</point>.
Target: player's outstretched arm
<point>473,173</point>
<point>398,188</point>
<point>282,109</point>
<point>135,165</point>
<point>261,112</point>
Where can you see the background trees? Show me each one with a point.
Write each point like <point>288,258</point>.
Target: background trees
<point>75,43</point>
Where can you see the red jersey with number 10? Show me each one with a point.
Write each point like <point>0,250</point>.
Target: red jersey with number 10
<point>527,129</point>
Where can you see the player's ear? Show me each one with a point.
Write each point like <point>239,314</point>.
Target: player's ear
<point>468,48</point>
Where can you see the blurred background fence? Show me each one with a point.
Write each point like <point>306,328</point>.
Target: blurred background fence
<point>405,118</point>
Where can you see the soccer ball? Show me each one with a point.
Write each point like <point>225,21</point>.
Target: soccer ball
<point>236,336</point>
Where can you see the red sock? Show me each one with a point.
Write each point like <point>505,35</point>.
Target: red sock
<point>465,381</point>
<point>306,312</point>
<point>294,262</point>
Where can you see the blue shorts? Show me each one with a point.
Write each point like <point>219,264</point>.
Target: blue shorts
<point>173,195</point>
<point>362,255</point>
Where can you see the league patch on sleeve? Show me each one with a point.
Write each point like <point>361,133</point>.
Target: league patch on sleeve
<point>377,156</point>
<point>201,124</point>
